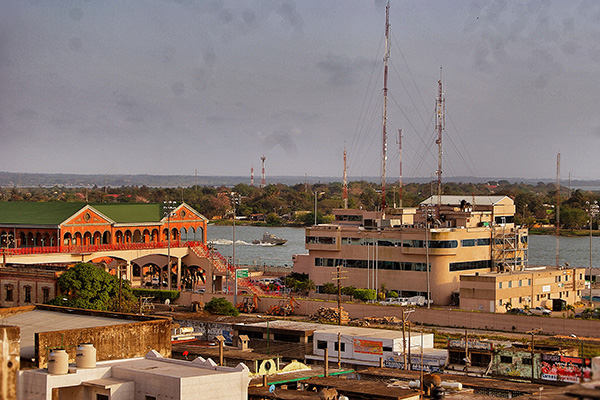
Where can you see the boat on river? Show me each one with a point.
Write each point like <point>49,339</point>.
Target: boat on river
<point>270,239</point>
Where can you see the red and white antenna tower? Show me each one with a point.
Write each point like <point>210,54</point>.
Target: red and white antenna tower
<point>441,120</point>
<point>385,97</point>
<point>252,176</point>
<point>263,181</point>
<point>400,165</point>
<point>345,180</point>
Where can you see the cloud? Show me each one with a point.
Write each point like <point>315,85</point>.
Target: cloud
<point>282,138</point>
<point>341,71</point>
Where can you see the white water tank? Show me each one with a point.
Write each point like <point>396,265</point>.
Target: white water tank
<point>58,362</point>
<point>86,356</point>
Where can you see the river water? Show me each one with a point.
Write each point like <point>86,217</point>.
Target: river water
<point>542,248</point>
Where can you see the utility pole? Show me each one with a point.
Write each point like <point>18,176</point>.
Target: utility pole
<point>533,332</point>
<point>405,315</point>
<point>338,272</point>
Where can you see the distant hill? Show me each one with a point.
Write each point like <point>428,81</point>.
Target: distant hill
<point>16,179</point>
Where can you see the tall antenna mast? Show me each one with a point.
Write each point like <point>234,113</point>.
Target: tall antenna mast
<point>557,207</point>
<point>252,176</point>
<point>263,180</point>
<point>400,178</point>
<point>345,179</point>
<point>385,97</point>
<point>441,119</point>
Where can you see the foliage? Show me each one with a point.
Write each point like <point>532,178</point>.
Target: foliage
<point>364,294</point>
<point>329,288</point>
<point>534,203</point>
<point>393,294</point>
<point>160,295</point>
<point>220,306</point>
<point>348,290</point>
<point>87,286</point>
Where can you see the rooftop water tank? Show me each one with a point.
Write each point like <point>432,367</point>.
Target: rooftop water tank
<point>86,356</point>
<point>58,362</point>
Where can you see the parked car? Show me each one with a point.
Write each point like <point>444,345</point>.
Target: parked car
<point>539,310</point>
<point>390,301</point>
<point>518,311</point>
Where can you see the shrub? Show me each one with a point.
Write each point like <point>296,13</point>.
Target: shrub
<point>220,306</point>
<point>393,294</point>
<point>364,294</point>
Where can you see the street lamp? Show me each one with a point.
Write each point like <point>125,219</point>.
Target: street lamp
<point>168,208</point>
<point>268,335</point>
<point>574,336</point>
<point>593,210</point>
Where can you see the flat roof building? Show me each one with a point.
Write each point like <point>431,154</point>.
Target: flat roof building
<point>149,378</point>
<point>525,288</point>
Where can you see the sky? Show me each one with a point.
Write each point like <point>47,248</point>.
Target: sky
<point>171,87</point>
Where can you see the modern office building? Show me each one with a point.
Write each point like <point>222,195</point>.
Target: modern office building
<point>462,233</point>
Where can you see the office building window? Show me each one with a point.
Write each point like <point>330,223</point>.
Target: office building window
<point>27,294</point>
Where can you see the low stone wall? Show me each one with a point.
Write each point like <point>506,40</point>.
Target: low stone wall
<point>112,342</point>
<point>454,318</point>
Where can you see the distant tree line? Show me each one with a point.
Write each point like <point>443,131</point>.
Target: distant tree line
<point>278,204</point>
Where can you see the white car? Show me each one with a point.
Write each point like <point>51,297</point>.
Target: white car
<point>539,310</point>
<point>390,301</point>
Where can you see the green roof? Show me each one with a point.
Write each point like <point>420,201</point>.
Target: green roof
<point>54,213</point>
<point>131,213</point>
<point>30,213</point>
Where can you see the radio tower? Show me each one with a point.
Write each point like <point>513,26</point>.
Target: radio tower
<point>252,176</point>
<point>557,208</point>
<point>400,177</point>
<point>440,127</point>
<point>263,181</point>
<point>385,97</point>
<point>345,190</point>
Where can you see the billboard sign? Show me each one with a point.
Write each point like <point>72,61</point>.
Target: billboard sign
<point>565,369</point>
<point>368,346</point>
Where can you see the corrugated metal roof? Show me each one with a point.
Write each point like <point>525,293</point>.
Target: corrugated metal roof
<point>456,199</point>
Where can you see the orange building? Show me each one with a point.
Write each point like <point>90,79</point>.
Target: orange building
<point>60,225</point>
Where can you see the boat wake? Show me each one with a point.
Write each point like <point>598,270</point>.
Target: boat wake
<point>229,242</point>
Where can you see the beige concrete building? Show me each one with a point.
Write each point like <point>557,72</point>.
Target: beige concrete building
<point>463,233</point>
<point>527,288</point>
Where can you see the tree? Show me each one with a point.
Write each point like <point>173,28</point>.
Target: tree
<point>87,286</point>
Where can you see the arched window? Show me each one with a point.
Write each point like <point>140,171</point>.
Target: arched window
<point>67,239</point>
<point>183,234</point>
<point>137,236</point>
<point>106,237</point>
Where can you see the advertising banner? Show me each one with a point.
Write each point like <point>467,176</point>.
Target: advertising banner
<point>565,369</point>
<point>368,346</point>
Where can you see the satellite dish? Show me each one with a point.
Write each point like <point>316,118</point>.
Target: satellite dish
<point>271,388</point>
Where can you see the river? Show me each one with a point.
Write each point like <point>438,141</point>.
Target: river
<point>542,248</point>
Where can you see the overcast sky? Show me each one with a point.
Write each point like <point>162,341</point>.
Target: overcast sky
<point>168,87</point>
